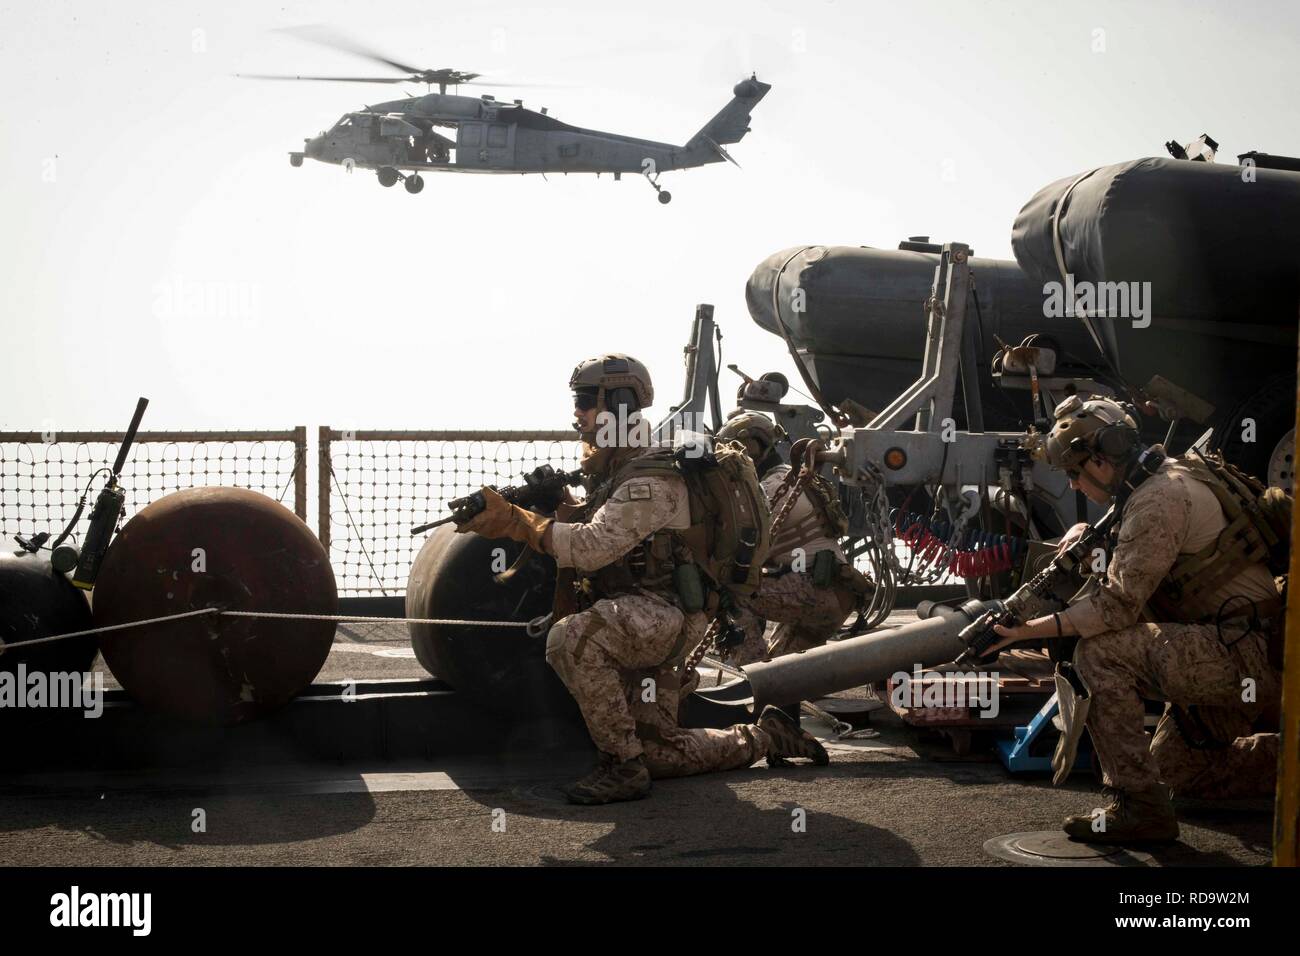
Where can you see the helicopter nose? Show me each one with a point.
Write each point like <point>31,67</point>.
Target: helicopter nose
<point>312,146</point>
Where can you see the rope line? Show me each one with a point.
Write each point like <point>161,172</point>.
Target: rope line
<point>110,627</point>
<point>300,452</point>
<point>347,510</point>
<point>346,619</point>
<point>337,618</point>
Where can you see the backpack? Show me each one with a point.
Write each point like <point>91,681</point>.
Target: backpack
<point>730,533</point>
<point>1267,509</point>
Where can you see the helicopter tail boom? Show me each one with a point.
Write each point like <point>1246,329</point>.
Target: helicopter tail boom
<point>732,121</point>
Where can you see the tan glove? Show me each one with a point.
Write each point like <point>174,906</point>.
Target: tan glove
<point>503,520</point>
<point>1070,721</point>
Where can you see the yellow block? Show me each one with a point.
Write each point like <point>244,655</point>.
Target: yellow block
<point>1286,823</point>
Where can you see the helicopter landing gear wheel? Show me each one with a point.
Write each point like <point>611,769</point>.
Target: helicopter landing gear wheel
<point>414,183</point>
<point>1269,412</point>
<point>1281,464</point>
<point>652,177</point>
<point>388,176</point>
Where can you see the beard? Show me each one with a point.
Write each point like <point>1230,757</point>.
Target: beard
<point>595,459</point>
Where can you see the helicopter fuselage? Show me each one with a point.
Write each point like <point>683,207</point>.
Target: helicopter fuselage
<point>486,137</point>
<point>450,133</point>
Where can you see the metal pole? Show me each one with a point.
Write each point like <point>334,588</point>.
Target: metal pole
<point>956,290</point>
<point>700,373</point>
<point>934,327</point>
<point>969,366</point>
<point>840,665</point>
<point>710,329</point>
<point>300,471</point>
<point>837,666</point>
<point>692,355</point>
<point>928,400</point>
<point>323,484</point>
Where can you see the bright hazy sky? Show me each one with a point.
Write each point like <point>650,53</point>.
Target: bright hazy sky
<point>133,163</point>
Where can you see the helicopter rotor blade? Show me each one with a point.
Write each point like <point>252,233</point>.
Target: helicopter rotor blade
<point>328,79</point>
<point>327,37</point>
<point>522,86</point>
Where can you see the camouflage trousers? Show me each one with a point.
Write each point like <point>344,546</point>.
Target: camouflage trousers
<point>1213,754</point>
<point>619,659</point>
<point>806,616</point>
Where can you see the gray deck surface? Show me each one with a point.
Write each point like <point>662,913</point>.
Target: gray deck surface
<point>901,799</point>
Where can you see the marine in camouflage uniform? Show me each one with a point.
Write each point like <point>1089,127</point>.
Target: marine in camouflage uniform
<point>1203,649</point>
<point>1216,677</point>
<point>620,652</point>
<point>806,614</point>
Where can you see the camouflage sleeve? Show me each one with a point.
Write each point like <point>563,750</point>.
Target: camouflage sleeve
<point>1152,531</point>
<point>638,508</point>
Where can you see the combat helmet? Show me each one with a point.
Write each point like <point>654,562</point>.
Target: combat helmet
<point>742,424</point>
<point>1082,429</point>
<point>617,380</point>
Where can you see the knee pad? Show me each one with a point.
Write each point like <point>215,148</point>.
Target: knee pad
<point>557,644</point>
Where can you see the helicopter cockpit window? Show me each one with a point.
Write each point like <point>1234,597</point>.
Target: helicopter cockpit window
<point>470,134</point>
<point>343,123</point>
<point>497,135</point>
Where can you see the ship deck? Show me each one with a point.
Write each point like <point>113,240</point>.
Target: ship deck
<point>902,798</point>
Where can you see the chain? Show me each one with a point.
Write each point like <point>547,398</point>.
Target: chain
<point>788,494</point>
<point>697,655</point>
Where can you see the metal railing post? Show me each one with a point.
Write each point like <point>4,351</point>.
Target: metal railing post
<point>323,484</point>
<point>300,471</point>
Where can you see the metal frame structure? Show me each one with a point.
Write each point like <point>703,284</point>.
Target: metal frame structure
<point>701,388</point>
<point>933,451</point>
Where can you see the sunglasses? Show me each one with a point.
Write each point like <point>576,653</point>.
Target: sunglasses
<point>584,401</point>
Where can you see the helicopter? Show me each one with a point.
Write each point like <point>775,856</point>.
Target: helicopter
<point>401,139</point>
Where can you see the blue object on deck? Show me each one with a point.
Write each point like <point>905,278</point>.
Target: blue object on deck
<point>1015,755</point>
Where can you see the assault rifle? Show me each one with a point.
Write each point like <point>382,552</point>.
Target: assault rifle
<point>543,488</point>
<point>1036,596</point>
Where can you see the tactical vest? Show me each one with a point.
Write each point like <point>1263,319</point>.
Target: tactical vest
<point>1257,532</point>
<point>826,519</point>
<point>728,537</point>
<point>647,566</point>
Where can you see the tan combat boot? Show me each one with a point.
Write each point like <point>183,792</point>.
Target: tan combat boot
<point>789,739</point>
<point>1130,816</point>
<point>612,780</point>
